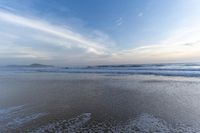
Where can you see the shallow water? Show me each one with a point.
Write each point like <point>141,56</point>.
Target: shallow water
<point>75,102</point>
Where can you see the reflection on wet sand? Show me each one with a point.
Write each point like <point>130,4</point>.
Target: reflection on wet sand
<point>39,102</point>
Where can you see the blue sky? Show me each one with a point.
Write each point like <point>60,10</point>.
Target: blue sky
<point>92,32</point>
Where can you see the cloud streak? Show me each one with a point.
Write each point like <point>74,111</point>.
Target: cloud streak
<point>174,51</point>
<point>57,31</point>
<point>181,45</point>
<point>30,38</point>
<point>119,21</point>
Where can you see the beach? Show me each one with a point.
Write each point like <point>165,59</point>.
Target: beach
<point>99,66</point>
<point>92,102</point>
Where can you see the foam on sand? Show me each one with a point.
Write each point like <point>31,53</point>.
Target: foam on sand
<point>147,123</point>
<point>144,123</point>
<point>71,125</point>
<point>15,117</point>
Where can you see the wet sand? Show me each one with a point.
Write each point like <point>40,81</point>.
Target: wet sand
<point>66,102</point>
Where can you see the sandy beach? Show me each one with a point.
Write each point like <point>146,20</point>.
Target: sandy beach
<point>99,66</point>
<point>75,102</point>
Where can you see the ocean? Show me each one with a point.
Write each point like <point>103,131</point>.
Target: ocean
<point>120,98</point>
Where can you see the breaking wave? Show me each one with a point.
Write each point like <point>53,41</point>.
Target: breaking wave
<point>186,70</point>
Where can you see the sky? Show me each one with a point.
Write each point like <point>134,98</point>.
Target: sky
<point>99,32</point>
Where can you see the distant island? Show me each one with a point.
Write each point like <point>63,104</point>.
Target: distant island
<point>31,65</point>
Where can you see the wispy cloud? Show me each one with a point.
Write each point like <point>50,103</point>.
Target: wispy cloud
<point>160,53</point>
<point>68,35</point>
<point>28,37</point>
<point>182,45</point>
<point>25,37</point>
<point>119,21</point>
<point>140,14</point>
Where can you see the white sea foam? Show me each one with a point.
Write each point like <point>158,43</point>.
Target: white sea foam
<point>71,125</point>
<point>144,123</point>
<point>147,123</point>
<point>14,117</point>
<point>5,113</point>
